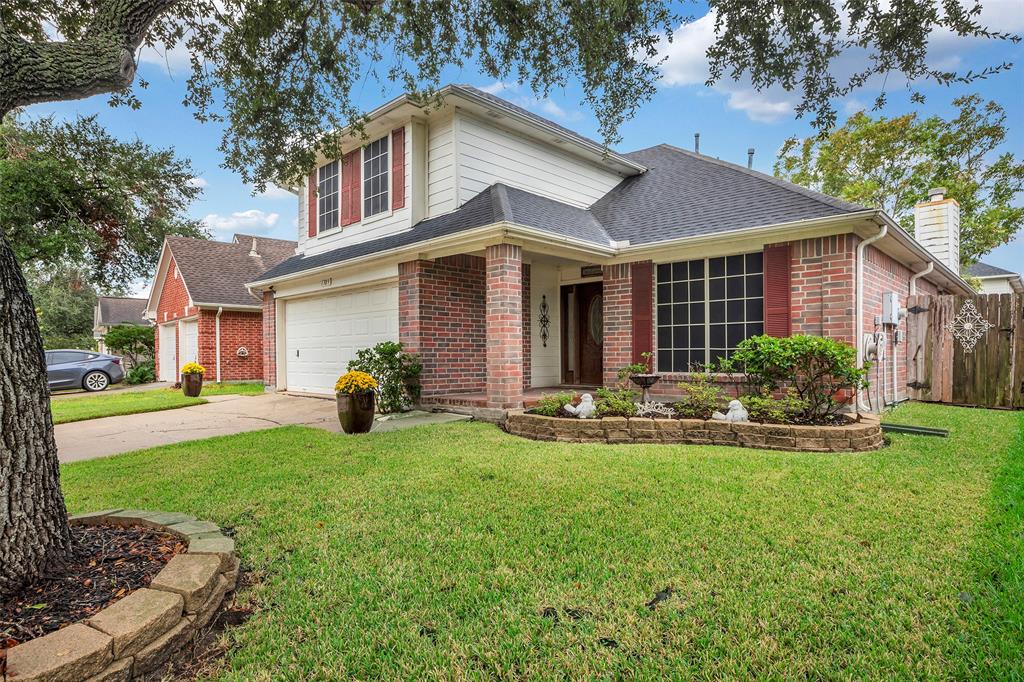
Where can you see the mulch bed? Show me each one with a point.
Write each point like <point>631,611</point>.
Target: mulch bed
<point>109,563</point>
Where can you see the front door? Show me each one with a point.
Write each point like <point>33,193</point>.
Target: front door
<point>591,328</point>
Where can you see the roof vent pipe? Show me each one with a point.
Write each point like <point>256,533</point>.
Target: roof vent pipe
<point>696,143</point>
<point>750,157</point>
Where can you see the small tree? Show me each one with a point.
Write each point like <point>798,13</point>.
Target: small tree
<point>65,303</point>
<point>136,342</point>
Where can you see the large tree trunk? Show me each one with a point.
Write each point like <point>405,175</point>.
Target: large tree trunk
<point>34,532</point>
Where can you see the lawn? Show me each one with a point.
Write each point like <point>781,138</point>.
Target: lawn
<point>132,402</point>
<point>459,551</point>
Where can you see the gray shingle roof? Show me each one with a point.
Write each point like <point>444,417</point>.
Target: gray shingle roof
<point>986,270</point>
<point>217,272</point>
<point>682,194</point>
<point>120,310</point>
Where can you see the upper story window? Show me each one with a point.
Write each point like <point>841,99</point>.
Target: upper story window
<point>327,196</point>
<point>706,307</point>
<point>375,178</point>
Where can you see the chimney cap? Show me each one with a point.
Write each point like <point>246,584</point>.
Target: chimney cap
<point>937,194</point>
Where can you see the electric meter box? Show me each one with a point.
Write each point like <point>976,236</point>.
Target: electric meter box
<point>890,308</point>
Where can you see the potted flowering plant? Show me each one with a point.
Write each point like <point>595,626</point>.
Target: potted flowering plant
<point>192,379</point>
<point>355,394</point>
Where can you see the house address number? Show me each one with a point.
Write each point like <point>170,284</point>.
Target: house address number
<point>327,282</point>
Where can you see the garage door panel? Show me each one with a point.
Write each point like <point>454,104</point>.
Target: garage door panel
<point>323,333</point>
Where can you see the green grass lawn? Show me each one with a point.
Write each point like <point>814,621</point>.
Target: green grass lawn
<point>132,402</point>
<point>434,552</point>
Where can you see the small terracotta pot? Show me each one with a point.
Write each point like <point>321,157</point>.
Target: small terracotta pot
<point>355,411</point>
<point>191,384</point>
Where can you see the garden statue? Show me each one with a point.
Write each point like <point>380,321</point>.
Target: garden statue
<point>736,413</point>
<point>585,410</point>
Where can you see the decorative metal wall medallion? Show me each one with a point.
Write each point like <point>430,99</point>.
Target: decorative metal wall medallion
<point>968,326</point>
<point>545,320</point>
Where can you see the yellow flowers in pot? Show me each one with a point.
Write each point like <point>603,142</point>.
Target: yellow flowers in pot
<point>355,382</point>
<point>193,368</point>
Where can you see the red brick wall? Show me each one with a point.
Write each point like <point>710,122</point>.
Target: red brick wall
<point>237,329</point>
<point>441,306</point>
<point>269,324</point>
<point>617,298</point>
<point>527,329</point>
<point>173,305</point>
<point>822,286</point>
<point>504,288</point>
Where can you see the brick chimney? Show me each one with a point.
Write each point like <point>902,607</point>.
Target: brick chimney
<point>937,227</point>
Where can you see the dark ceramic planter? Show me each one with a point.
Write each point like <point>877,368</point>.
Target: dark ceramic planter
<point>645,381</point>
<point>191,384</point>
<point>355,411</point>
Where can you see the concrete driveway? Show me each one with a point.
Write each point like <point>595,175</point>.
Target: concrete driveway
<point>222,415</point>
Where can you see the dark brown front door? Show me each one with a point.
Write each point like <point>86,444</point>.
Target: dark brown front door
<point>591,332</point>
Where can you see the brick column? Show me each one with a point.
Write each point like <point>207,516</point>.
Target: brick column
<point>527,330</point>
<point>504,285</point>
<point>269,341</point>
<point>617,295</point>
<point>409,305</point>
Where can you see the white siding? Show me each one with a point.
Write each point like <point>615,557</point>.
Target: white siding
<point>440,167</point>
<point>303,228</point>
<point>545,362</point>
<point>996,285</point>
<point>487,154</point>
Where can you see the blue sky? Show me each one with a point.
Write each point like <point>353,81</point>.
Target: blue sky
<point>730,117</point>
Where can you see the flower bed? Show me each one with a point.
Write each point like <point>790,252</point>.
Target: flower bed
<point>854,436</point>
<point>141,631</point>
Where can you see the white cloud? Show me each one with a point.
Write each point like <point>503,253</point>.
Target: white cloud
<point>198,182</point>
<point>253,221</point>
<point>275,192</point>
<point>686,64</point>
<point>175,60</point>
<point>521,96</point>
<point>495,88</point>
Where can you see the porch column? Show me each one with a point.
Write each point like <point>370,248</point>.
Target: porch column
<point>504,285</point>
<point>617,311</point>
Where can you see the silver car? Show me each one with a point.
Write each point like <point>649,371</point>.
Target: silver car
<point>82,369</point>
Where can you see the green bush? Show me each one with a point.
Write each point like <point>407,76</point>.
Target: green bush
<point>821,372</point>
<point>143,373</point>
<point>135,342</point>
<point>552,405</point>
<point>768,410</point>
<point>617,403</point>
<point>701,397</point>
<point>397,374</point>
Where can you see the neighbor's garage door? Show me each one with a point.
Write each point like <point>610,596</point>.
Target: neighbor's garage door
<point>323,333</point>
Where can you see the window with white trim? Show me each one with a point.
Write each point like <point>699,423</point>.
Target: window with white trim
<point>328,196</point>
<point>376,177</point>
<point>706,307</point>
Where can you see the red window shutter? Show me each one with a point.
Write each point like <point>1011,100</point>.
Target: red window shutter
<point>642,285</point>
<point>398,169</point>
<point>350,184</point>
<point>777,314</point>
<point>311,212</point>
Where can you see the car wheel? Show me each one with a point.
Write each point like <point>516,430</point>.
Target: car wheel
<point>95,381</point>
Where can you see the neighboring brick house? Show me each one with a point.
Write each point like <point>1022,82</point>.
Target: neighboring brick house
<point>111,311</point>
<point>203,311</point>
<point>513,254</point>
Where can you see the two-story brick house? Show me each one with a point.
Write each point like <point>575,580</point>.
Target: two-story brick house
<point>513,254</point>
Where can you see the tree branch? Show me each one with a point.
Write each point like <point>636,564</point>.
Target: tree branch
<point>103,61</point>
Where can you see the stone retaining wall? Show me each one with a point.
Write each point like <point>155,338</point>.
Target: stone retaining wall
<point>853,437</point>
<point>139,633</point>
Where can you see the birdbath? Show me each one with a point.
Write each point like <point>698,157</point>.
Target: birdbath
<point>645,381</point>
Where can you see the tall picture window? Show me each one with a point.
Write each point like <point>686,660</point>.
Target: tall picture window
<point>327,196</point>
<point>706,307</point>
<point>376,178</point>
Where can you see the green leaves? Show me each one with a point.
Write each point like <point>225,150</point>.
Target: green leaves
<point>397,374</point>
<point>891,163</point>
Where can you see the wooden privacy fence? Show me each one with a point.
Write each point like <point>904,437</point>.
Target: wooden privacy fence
<point>966,350</point>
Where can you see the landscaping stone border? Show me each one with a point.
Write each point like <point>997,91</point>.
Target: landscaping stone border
<point>139,633</point>
<point>856,436</point>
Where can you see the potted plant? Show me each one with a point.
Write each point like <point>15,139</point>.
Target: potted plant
<point>355,395</point>
<point>192,379</point>
<point>640,374</point>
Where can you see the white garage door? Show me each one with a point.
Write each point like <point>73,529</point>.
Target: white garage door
<point>323,333</point>
<point>168,352</point>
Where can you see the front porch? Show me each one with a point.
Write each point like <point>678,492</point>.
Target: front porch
<point>498,327</point>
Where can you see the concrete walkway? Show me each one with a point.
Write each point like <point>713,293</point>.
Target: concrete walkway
<point>222,415</point>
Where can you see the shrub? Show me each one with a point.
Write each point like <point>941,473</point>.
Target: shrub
<point>143,373</point>
<point>636,368</point>
<point>135,342</point>
<point>701,397</point>
<point>821,372</point>
<point>397,374</point>
<point>768,410</point>
<point>553,405</point>
<point>618,403</point>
